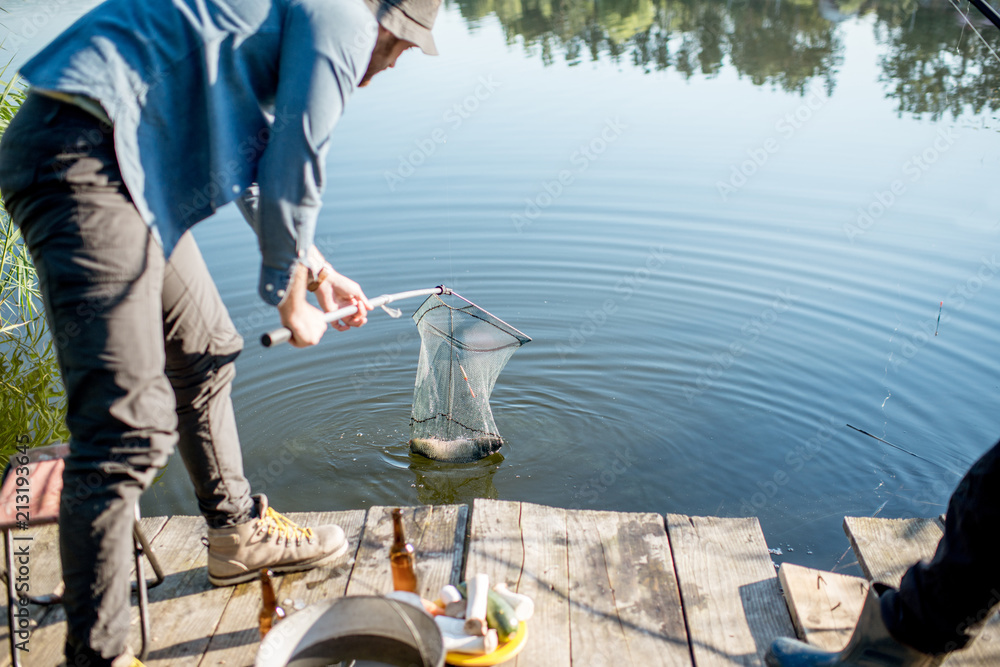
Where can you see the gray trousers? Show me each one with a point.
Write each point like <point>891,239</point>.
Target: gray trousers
<point>146,350</point>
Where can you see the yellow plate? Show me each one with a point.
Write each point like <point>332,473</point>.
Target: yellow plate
<point>503,653</point>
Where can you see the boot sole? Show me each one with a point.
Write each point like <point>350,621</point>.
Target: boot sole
<point>297,566</point>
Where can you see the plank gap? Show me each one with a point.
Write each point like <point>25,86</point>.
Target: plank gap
<point>684,611</point>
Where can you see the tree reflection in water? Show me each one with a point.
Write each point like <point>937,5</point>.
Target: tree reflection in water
<point>932,63</point>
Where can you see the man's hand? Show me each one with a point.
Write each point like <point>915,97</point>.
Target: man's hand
<point>304,320</point>
<point>339,291</point>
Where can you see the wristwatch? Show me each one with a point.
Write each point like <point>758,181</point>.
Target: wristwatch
<point>316,278</point>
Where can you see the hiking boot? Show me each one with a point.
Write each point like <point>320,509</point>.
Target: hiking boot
<point>270,541</point>
<point>871,645</point>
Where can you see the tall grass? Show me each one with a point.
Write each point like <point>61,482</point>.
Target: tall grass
<point>32,398</point>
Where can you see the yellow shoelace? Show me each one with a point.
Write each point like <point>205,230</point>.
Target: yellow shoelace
<point>284,527</point>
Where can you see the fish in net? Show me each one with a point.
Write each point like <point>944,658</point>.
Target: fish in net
<point>463,348</point>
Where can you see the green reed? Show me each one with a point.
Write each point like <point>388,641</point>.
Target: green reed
<point>32,398</point>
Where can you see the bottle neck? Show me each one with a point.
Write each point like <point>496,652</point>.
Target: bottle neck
<point>398,539</point>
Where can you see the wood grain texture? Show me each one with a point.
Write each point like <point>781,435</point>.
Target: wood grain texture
<point>545,579</point>
<point>730,593</point>
<point>607,586</point>
<point>49,636</point>
<point>437,534</point>
<point>531,558</point>
<point>186,608</point>
<point>886,548</point>
<point>624,599</point>
<point>45,573</point>
<point>237,637</point>
<point>596,632</point>
<point>495,545</point>
<point>825,606</point>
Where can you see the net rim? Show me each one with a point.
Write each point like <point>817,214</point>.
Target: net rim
<point>514,332</point>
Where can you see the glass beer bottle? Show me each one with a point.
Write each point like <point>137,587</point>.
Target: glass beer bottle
<point>404,577</point>
<point>269,609</point>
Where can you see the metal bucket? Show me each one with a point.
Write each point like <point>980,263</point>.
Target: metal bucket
<point>354,628</point>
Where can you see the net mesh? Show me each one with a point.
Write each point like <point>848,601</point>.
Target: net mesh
<point>463,348</point>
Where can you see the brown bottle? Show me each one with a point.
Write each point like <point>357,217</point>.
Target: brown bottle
<point>404,577</point>
<point>269,610</point>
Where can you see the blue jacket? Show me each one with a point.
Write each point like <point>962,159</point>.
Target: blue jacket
<point>209,96</point>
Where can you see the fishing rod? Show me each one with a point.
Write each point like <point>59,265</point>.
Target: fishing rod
<point>283,334</point>
<point>859,430</point>
<point>987,11</point>
<point>903,449</point>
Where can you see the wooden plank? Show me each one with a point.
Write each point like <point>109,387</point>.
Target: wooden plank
<point>495,545</point>
<point>825,606</point>
<point>437,535</point>
<point>731,598</point>
<point>545,579</point>
<point>624,600</point>
<point>985,652</point>
<point>596,633</point>
<point>886,548</point>
<point>524,545</point>
<point>48,638</point>
<point>45,573</point>
<point>185,609</point>
<point>237,637</point>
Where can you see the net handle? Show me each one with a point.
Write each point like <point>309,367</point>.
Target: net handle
<point>283,334</point>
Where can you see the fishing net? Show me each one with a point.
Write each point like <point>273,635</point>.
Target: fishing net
<point>463,348</point>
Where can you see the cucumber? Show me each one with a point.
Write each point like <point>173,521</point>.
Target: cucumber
<point>499,615</point>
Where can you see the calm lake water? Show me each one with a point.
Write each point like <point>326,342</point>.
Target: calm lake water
<point>727,226</point>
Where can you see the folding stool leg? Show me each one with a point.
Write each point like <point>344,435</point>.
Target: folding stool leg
<point>143,543</point>
<point>8,544</point>
<point>142,547</point>
<point>140,580</point>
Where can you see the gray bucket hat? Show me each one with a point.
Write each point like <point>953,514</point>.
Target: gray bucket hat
<point>411,20</point>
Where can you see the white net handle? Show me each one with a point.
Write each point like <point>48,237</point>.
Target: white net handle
<point>283,335</point>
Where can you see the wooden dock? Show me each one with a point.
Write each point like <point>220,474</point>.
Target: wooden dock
<point>610,588</point>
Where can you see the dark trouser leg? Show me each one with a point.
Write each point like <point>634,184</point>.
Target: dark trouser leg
<point>939,603</point>
<point>202,344</point>
<point>101,273</point>
<point>119,316</point>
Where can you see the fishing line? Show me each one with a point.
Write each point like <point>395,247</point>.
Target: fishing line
<point>880,508</point>
<point>842,556</point>
<point>993,16</point>
<point>988,12</point>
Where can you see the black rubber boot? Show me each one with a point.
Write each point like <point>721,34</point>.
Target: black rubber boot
<point>871,645</point>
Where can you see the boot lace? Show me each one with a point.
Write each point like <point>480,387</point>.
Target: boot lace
<point>280,525</point>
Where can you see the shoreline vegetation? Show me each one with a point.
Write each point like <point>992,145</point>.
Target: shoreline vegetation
<point>33,404</point>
